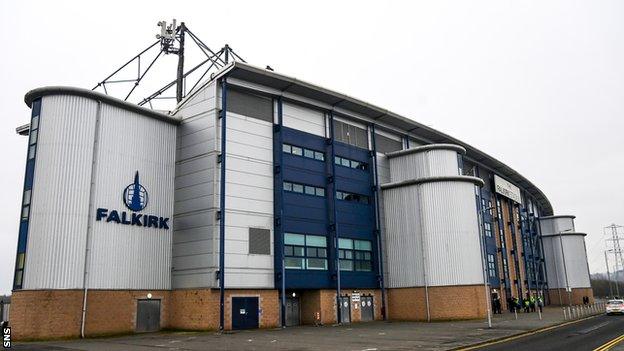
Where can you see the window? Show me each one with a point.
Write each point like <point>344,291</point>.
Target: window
<point>300,151</point>
<point>487,228</point>
<point>491,266</point>
<point>250,105</point>
<point>341,161</point>
<point>350,134</point>
<point>304,189</point>
<point>345,196</point>
<point>355,255</point>
<point>385,145</point>
<point>305,251</point>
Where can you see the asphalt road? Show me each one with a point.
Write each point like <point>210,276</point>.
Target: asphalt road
<point>581,336</point>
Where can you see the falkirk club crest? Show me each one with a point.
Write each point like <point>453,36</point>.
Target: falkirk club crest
<point>135,198</point>
<point>135,195</point>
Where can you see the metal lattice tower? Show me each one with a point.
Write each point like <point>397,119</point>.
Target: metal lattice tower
<point>614,246</point>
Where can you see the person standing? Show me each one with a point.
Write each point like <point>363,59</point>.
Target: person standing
<point>540,303</point>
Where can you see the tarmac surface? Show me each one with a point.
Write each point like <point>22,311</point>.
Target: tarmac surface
<point>370,336</point>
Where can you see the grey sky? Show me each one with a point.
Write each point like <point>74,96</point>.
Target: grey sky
<point>538,85</point>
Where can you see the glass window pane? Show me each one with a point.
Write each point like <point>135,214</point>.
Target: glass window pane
<point>316,240</point>
<point>319,156</point>
<point>20,261</point>
<point>311,252</point>
<point>341,253</point>
<point>363,245</point>
<point>288,250</point>
<point>298,251</point>
<point>345,243</point>
<point>25,212</point>
<point>320,192</point>
<point>34,123</point>
<point>308,153</point>
<point>297,151</point>
<point>26,197</point>
<point>337,160</point>
<point>339,195</point>
<point>365,266</point>
<point>287,186</point>
<point>317,263</point>
<point>18,277</point>
<point>293,263</point>
<point>33,137</point>
<point>287,148</point>
<point>321,252</point>
<point>310,190</point>
<point>349,254</point>
<point>359,255</point>
<point>346,163</point>
<point>367,255</point>
<point>298,188</point>
<point>346,265</point>
<point>294,239</point>
<point>31,152</point>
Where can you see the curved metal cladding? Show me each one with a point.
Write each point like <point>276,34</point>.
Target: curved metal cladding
<point>425,161</point>
<point>565,253</point>
<point>432,231</point>
<point>89,152</point>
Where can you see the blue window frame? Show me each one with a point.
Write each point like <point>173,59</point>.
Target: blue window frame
<point>346,162</point>
<point>304,189</point>
<point>303,251</point>
<point>352,197</point>
<point>355,255</point>
<point>303,152</point>
<point>487,228</point>
<point>491,266</point>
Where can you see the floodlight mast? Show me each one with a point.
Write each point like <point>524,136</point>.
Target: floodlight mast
<point>167,38</point>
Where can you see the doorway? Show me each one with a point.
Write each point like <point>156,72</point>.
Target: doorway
<point>244,313</point>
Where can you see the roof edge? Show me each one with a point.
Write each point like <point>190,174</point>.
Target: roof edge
<point>460,149</point>
<point>457,178</point>
<point>66,90</point>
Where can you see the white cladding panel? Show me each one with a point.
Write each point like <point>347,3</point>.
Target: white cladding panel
<point>430,163</point>
<point>120,256</point>
<point>575,255</point>
<point>126,256</point>
<point>441,218</point>
<point>383,169</point>
<point>302,118</point>
<point>451,232</point>
<point>248,201</point>
<point>403,238</point>
<point>195,244</point>
<point>556,225</point>
<point>60,200</point>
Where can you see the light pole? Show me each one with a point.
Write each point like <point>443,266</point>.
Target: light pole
<point>565,268</point>
<point>486,280</point>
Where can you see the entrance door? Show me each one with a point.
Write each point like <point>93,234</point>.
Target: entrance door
<point>345,309</point>
<point>244,313</point>
<point>367,308</point>
<point>292,311</point>
<point>148,316</point>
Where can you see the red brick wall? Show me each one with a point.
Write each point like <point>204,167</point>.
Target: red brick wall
<point>445,303</point>
<point>195,309</point>
<point>577,296</point>
<point>324,302</point>
<point>268,301</point>
<point>46,314</point>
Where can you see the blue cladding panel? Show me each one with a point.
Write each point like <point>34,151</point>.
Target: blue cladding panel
<point>309,214</point>
<point>30,173</point>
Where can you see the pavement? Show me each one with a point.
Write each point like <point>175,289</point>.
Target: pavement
<point>371,336</point>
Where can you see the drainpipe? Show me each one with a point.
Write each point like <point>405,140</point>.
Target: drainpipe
<point>334,226</point>
<point>222,207</point>
<point>378,233</point>
<point>96,137</point>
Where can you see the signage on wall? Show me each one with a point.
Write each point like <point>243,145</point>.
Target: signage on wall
<point>507,189</point>
<point>136,198</point>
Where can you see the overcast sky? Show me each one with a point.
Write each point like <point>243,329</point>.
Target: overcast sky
<point>536,84</point>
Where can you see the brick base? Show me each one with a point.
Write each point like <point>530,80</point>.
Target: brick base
<point>445,303</point>
<point>324,303</point>
<point>577,296</point>
<point>54,314</point>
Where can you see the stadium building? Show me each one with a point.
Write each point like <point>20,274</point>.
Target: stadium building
<point>261,201</point>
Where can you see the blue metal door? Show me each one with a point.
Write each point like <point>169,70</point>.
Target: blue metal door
<point>244,313</point>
